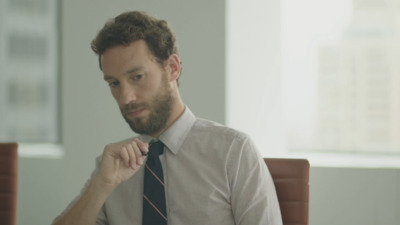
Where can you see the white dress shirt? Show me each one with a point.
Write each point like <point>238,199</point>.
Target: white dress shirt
<point>213,175</point>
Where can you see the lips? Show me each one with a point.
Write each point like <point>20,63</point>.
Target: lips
<point>133,113</point>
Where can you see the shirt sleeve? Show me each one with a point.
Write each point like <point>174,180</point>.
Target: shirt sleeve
<point>101,218</point>
<point>253,195</point>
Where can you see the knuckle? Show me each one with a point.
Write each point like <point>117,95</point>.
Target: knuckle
<point>108,147</point>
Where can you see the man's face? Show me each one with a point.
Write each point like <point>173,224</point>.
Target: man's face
<point>139,85</point>
<point>159,107</point>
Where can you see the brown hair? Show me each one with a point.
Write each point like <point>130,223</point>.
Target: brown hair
<point>132,26</point>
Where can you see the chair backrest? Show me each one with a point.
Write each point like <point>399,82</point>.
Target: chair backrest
<point>291,178</point>
<point>8,183</point>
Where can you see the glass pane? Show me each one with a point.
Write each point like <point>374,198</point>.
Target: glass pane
<point>29,71</point>
<point>341,75</point>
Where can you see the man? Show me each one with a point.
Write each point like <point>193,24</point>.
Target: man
<point>208,173</point>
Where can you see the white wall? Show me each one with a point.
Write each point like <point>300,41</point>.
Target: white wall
<point>338,196</point>
<point>91,119</point>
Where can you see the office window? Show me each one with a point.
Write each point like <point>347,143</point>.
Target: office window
<point>343,68</point>
<point>29,75</point>
<point>329,78</point>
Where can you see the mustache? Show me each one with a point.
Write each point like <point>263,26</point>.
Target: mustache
<point>132,107</point>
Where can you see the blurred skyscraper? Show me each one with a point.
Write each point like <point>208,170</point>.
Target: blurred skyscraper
<point>359,82</point>
<point>29,70</point>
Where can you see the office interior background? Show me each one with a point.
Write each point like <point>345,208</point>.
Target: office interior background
<point>315,79</point>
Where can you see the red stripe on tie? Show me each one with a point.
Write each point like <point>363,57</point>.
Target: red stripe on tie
<point>151,171</point>
<point>148,200</point>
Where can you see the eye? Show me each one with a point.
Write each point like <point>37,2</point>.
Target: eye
<point>138,77</point>
<point>113,84</point>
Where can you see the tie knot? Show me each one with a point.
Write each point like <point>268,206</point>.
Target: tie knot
<point>156,149</point>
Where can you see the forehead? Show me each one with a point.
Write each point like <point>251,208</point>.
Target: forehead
<point>120,58</point>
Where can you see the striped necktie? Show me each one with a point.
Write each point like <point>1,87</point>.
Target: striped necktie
<point>154,207</point>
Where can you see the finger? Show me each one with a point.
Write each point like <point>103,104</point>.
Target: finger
<point>124,156</point>
<point>144,148</point>
<point>132,156</point>
<point>138,153</point>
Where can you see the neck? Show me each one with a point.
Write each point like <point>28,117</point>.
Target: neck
<point>177,110</point>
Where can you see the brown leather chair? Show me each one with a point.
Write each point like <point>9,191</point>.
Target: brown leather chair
<point>291,178</point>
<point>8,183</point>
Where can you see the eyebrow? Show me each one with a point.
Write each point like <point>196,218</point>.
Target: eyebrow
<point>133,70</point>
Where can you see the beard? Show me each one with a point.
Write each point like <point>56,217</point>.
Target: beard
<point>160,107</point>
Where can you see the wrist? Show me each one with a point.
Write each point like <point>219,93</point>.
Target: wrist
<point>98,185</point>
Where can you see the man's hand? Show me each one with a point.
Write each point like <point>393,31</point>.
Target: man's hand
<point>120,161</point>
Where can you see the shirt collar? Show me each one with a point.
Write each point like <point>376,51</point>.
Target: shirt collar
<point>175,135</point>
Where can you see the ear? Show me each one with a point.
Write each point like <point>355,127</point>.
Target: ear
<point>174,67</point>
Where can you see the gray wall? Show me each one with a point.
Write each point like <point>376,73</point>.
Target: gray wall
<point>91,119</point>
<point>354,196</point>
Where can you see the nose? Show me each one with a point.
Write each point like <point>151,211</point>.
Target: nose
<point>127,95</point>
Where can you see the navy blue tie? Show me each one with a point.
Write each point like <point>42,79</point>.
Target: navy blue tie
<point>154,207</point>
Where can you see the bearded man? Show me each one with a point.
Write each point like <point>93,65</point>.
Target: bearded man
<point>196,171</point>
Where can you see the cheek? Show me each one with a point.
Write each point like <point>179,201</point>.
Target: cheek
<point>146,91</point>
<point>115,94</point>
